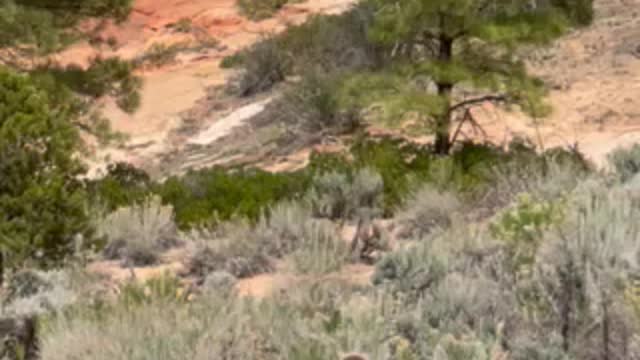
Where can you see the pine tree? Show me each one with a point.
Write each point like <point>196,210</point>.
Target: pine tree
<point>30,30</point>
<point>43,26</point>
<point>42,203</point>
<point>469,50</point>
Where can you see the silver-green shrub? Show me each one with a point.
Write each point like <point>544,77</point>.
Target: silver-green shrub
<point>139,233</point>
<point>427,210</point>
<point>337,196</point>
<point>625,162</point>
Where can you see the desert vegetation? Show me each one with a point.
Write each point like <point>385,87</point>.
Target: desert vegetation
<point>468,250</point>
<point>260,9</point>
<point>550,274</point>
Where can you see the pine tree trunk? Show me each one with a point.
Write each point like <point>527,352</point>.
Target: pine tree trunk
<point>443,124</point>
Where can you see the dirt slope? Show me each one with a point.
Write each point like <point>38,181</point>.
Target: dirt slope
<point>595,79</point>
<point>171,90</point>
<point>594,74</point>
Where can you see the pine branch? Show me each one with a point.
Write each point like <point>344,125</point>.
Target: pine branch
<point>480,100</point>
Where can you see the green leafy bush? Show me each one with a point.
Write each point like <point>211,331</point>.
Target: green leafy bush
<point>403,165</point>
<point>323,44</point>
<point>526,220</point>
<point>215,194</point>
<point>42,204</point>
<point>522,227</point>
<point>580,12</point>
<point>122,185</point>
<point>105,76</point>
<point>311,106</point>
<point>232,61</point>
<point>209,196</point>
<point>264,65</point>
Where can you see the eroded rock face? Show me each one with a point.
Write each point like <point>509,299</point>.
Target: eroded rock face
<point>18,340</point>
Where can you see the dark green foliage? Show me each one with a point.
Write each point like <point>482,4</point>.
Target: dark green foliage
<point>200,196</point>
<point>42,26</point>
<point>211,195</point>
<point>323,44</point>
<point>79,108</point>
<point>265,65</point>
<point>35,28</point>
<point>458,44</point>
<point>260,9</point>
<point>232,61</point>
<point>580,12</point>
<point>42,204</point>
<point>395,161</point>
<point>110,76</point>
<point>402,165</point>
<point>333,43</point>
<point>123,185</point>
<point>312,107</point>
<point>218,194</point>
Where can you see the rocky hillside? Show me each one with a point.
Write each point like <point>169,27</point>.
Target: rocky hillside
<point>210,31</point>
<point>594,74</point>
<point>595,78</point>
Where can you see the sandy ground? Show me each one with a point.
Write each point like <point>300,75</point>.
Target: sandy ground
<point>171,90</point>
<point>594,74</point>
<point>595,79</point>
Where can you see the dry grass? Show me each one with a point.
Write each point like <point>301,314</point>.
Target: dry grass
<point>140,233</point>
<point>426,211</point>
<point>287,231</point>
<point>294,326</point>
<point>321,250</point>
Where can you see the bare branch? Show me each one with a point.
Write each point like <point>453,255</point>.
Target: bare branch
<point>468,117</point>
